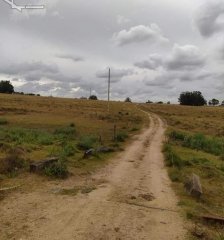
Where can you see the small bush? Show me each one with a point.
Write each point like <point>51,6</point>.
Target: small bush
<point>121,136</point>
<point>12,163</point>
<point>86,142</point>
<point>68,150</point>
<point>57,170</point>
<point>174,175</point>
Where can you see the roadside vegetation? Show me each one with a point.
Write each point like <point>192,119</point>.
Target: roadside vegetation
<point>195,144</point>
<point>35,128</point>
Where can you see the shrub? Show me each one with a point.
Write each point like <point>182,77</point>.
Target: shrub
<point>68,150</point>
<point>57,170</point>
<point>86,142</point>
<point>12,163</point>
<point>121,136</point>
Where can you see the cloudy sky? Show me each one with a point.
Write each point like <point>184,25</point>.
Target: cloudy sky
<point>155,49</point>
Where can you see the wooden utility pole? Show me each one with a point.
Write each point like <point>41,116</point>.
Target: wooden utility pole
<point>109,91</point>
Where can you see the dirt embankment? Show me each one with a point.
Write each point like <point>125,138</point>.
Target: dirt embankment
<point>133,200</point>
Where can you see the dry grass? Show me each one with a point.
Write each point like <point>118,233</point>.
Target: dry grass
<point>47,126</point>
<point>186,155</point>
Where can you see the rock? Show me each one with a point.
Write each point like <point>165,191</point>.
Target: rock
<point>104,149</point>
<point>89,152</point>
<point>39,166</point>
<point>193,186</point>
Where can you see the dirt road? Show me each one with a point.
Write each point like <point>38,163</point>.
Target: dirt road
<point>127,203</point>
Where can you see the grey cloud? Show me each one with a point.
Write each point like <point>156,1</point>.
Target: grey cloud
<point>25,67</point>
<point>186,57</point>
<point>139,34</point>
<point>207,17</point>
<point>154,61</point>
<point>70,57</point>
<point>35,71</point>
<point>116,74</point>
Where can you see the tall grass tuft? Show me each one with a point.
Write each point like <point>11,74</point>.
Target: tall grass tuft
<point>199,141</point>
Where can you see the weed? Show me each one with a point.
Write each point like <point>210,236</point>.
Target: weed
<point>57,170</point>
<point>121,136</point>
<point>12,163</point>
<point>68,150</point>
<point>86,142</point>
<point>172,159</point>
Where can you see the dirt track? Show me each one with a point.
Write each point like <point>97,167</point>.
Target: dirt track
<point>126,204</point>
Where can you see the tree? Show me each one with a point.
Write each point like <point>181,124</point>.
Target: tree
<point>128,99</point>
<point>149,102</point>
<point>6,87</point>
<point>194,98</point>
<point>93,97</point>
<point>213,102</point>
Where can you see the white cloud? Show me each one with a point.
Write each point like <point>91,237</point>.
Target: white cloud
<point>187,57</point>
<point>139,34</point>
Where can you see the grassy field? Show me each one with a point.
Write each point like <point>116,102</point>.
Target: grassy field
<point>195,144</point>
<point>34,128</point>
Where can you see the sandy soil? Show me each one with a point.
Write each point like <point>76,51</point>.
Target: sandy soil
<point>133,200</point>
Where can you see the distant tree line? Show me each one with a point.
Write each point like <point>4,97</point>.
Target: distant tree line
<point>8,88</point>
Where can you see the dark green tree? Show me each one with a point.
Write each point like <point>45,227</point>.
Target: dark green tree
<point>128,99</point>
<point>6,87</point>
<point>213,102</point>
<point>93,97</point>
<point>194,98</point>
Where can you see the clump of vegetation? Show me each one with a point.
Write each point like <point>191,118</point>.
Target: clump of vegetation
<point>57,170</point>
<point>199,141</point>
<point>121,136</point>
<point>12,163</point>
<point>21,135</point>
<point>68,132</point>
<point>86,142</point>
<point>172,159</point>
<point>68,150</point>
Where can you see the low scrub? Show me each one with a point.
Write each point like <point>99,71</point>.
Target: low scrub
<point>11,163</point>
<point>57,170</point>
<point>86,142</point>
<point>121,136</point>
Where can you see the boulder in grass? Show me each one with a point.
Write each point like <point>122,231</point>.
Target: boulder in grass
<point>193,186</point>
